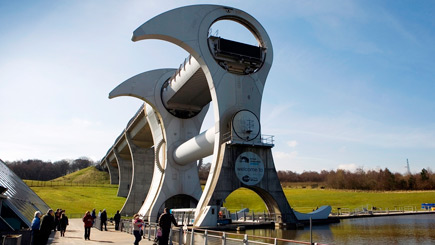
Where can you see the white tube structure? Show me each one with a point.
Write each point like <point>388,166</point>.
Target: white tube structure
<point>181,77</point>
<point>202,145</point>
<point>196,148</point>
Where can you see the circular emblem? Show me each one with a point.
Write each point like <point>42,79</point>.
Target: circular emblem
<point>246,125</point>
<point>249,168</point>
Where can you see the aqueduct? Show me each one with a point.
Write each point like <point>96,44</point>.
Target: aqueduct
<point>155,159</point>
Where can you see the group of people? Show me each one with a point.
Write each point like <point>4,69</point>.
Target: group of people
<point>89,221</point>
<point>102,215</point>
<point>165,222</point>
<point>43,225</point>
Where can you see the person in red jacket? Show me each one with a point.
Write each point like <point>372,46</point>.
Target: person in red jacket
<point>88,222</point>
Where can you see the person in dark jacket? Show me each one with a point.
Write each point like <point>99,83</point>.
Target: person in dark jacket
<point>117,219</point>
<point>63,223</point>
<point>47,224</point>
<point>93,214</point>
<point>36,223</point>
<point>165,222</point>
<point>57,219</point>
<point>103,218</point>
<point>88,223</point>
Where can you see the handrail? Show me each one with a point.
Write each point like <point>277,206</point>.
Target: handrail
<point>51,183</point>
<point>225,236</point>
<point>265,139</point>
<point>188,236</point>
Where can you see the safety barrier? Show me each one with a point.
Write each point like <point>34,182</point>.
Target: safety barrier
<point>183,235</point>
<point>266,140</point>
<point>49,183</point>
<point>180,235</point>
<point>374,211</point>
<point>186,218</point>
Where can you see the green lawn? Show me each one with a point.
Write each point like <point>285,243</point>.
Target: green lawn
<point>77,200</point>
<point>304,200</point>
<point>91,189</point>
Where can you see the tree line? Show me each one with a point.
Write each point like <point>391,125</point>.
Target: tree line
<point>377,180</point>
<point>35,169</point>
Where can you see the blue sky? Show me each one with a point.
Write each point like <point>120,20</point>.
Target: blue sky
<point>352,83</point>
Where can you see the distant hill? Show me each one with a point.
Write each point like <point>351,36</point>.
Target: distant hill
<point>89,174</point>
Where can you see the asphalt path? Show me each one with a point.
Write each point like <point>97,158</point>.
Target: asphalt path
<point>75,235</point>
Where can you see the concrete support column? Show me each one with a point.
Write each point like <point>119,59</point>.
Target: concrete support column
<point>232,176</point>
<point>125,173</point>
<point>143,168</point>
<point>113,173</point>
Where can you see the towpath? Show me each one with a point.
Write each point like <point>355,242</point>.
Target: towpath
<point>75,235</point>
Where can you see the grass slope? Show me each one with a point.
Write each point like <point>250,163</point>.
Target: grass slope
<point>89,174</point>
<point>76,200</point>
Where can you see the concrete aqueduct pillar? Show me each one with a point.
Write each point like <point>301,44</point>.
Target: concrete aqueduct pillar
<point>113,172</point>
<point>142,173</point>
<point>125,172</point>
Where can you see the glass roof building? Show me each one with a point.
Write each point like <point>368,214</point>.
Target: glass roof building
<point>18,202</point>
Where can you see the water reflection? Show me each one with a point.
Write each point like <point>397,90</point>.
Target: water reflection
<point>406,229</point>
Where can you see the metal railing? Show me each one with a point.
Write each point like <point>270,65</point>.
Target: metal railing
<point>373,211</point>
<point>235,216</point>
<point>50,183</point>
<point>183,235</point>
<point>126,226</point>
<point>253,217</point>
<point>265,140</point>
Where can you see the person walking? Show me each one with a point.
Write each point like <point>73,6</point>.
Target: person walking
<point>63,223</point>
<point>98,225</point>
<point>47,224</point>
<point>88,222</point>
<point>165,221</point>
<point>94,215</point>
<point>117,219</point>
<point>103,219</point>
<point>57,219</point>
<point>36,223</point>
<point>137,228</point>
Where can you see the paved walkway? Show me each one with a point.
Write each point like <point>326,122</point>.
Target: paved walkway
<point>75,235</point>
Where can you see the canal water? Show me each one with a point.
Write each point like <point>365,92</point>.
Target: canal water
<point>403,229</point>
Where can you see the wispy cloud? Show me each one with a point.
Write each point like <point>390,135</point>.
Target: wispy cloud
<point>357,129</point>
<point>342,149</point>
<point>285,156</point>
<point>292,143</point>
<point>284,160</point>
<point>294,161</point>
<point>350,167</point>
<point>274,114</point>
<point>55,141</point>
<point>397,25</point>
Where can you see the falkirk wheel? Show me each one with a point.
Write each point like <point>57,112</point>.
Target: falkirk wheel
<point>230,75</point>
